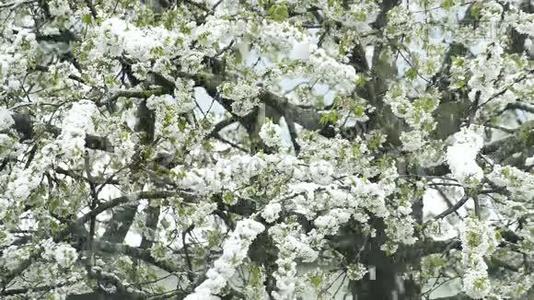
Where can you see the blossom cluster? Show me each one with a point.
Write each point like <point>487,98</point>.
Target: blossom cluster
<point>478,241</point>
<point>461,156</point>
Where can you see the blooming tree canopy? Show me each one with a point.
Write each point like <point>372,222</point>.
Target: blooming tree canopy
<point>266,149</point>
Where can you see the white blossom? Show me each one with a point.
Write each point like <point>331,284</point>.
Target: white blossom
<point>58,8</point>
<point>356,271</point>
<point>478,241</point>
<point>271,134</point>
<point>412,140</point>
<point>476,284</point>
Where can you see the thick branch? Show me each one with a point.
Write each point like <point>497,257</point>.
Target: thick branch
<point>453,208</point>
<point>143,254</point>
<point>107,278</point>
<point>133,197</point>
<point>307,117</point>
<point>521,106</point>
<point>24,126</point>
<point>131,93</point>
<point>18,291</point>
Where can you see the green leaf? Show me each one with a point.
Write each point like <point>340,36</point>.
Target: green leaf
<point>361,16</point>
<point>182,124</point>
<point>356,151</point>
<point>476,9</point>
<point>361,81</point>
<point>167,120</point>
<point>329,118</point>
<point>185,29</point>
<point>316,280</point>
<point>278,12</point>
<point>157,51</point>
<point>359,110</point>
<point>427,104</point>
<point>87,19</point>
<point>411,73</point>
<point>207,146</point>
<point>375,141</point>
<point>238,57</point>
<point>228,198</point>
<point>332,2</point>
<point>214,238</point>
<point>473,239</point>
<point>255,275</point>
<point>447,4</point>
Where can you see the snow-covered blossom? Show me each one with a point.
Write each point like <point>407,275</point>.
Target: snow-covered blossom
<point>478,238</point>
<point>6,121</point>
<point>58,8</point>
<point>197,180</point>
<point>201,212</point>
<point>22,184</point>
<point>279,35</point>
<point>115,35</point>
<point>461,155</point>
<point>253,165</point>
<point>354,15</point>
<point>63,254</point>
<point>525,23</point>
<point>227,174</point>
<point>76,124</point>
<point>57,295</point>
<point>374,196</point>
<point>400,20</point>
<point>78,118</point>
<point>271,212</point>
<point>217,33</point>
<point>243,90</point>
<point>12,255</point>
<point>183,94</point>
<point>291,245</point>
<point>431,155</point>
<point>321,172</point>
<point>235,249</point>
<point>484,72</point>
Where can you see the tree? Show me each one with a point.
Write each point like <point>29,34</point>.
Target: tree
<point>206,149</point>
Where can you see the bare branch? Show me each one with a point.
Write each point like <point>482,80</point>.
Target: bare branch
<point>133,197</point>
<point>453,208</point>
